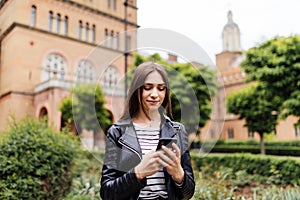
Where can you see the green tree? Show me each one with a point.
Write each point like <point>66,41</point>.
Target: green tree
<point>202,82</point>
<point>257,107</point>
<point>66,109</point>
<point>86,109</point>
<point>276,64</point>
<point>191,90</point>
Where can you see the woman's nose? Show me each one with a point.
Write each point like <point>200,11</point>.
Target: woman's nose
<point>154,93</point>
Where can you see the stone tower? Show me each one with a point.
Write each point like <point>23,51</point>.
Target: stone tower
<point>231,35</point>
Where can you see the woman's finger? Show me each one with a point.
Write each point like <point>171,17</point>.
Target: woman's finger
<point>177,150</point>
<point>170,153</point>
<point>166,159</point>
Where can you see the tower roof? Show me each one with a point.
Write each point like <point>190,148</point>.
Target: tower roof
<point>230,23</point>
<point>231,35</point>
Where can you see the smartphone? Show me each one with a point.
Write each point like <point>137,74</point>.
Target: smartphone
<point>166,142</point>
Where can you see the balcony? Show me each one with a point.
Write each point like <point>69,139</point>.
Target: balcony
<point>67,85</point>
<point>54,83</point>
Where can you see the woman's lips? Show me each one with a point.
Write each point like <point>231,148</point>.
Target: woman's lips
<point>152,102</point>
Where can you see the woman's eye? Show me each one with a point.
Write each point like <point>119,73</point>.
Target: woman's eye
<point>147,88</point>
<point>161,88</point>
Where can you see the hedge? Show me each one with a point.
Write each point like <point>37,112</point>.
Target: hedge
<point>270,150</point>
<point>266,166</point>
<point>291,143</point>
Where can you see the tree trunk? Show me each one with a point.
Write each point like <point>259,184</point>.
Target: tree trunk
<point>262,144</point>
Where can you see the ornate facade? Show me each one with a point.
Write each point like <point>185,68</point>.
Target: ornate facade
<point>47,46</point>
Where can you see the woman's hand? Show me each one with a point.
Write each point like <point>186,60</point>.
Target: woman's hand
<point>149,165</point>
<point>171,160</point>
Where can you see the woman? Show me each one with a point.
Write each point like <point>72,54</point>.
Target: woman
<point>133,168</point>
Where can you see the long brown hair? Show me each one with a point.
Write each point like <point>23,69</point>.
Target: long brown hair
<point>135,90</point>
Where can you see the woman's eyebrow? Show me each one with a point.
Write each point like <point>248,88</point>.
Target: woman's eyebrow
<point>159,84</point>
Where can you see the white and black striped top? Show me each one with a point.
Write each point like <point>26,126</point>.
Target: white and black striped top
<point>148,138</point>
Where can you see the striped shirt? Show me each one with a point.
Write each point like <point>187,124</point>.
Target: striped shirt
<point>148,138</point>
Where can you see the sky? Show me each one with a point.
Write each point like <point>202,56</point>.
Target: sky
<point>202,21</point>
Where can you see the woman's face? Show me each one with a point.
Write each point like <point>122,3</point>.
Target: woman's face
<point>153,91</point>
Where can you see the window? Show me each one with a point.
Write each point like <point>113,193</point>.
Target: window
<point>93,38</point>
<point>111,39</point>
<point>58,23</point>
<point>33,16</point>
<point>212,134</point>
<point>230,133</point>
<point>115,4</point>
<point>110,77</point>
<point>130,2</point>
<point>117,40</point>
<point>55,67</point>
<point>105,37</point>
<point>250,134</point>
<point>79,29</point>
<point>108,3</point>
<point>85,72</point>
<point>127,44</point>
<point>50,20</point>
<point>66,21</point>
<point>87,28</point>
<point>297,131</point>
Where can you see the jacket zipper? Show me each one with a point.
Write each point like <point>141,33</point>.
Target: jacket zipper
<point>130,148</point>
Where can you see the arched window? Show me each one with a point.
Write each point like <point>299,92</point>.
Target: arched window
<point>79,29</point>
<point>85,72</point>
<point>117,40</point>
<point>87,28</point>
<point>66,21</point>
<point>110,77</point>
<point>50,20</point>
<point>33,16</point>
<point>55,67</point>
<point>105,37</point>
<point>93,38</point>
<point>112,39</point>
<point>58,23</point>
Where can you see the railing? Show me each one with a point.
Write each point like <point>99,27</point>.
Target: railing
<point>54,83</point>
<point>67,85</point>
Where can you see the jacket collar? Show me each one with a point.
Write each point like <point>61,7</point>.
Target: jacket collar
<point>129,135</point>
<point>127,121</point>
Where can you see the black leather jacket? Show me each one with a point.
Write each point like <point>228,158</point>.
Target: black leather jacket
<point>123,153</point>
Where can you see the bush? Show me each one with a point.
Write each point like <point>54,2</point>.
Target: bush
<point>282,148</point>
<point>214,186</point>
<point>274,170</point>
<point>270,150</point>
<point>87,170</point>
<point>36,161</point>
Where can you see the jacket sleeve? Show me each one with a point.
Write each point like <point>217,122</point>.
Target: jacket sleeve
<point>187,188</point>
<point>116,184</point>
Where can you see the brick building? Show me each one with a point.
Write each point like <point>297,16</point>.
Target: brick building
<point>231,78</point>
<point>49,45</point>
